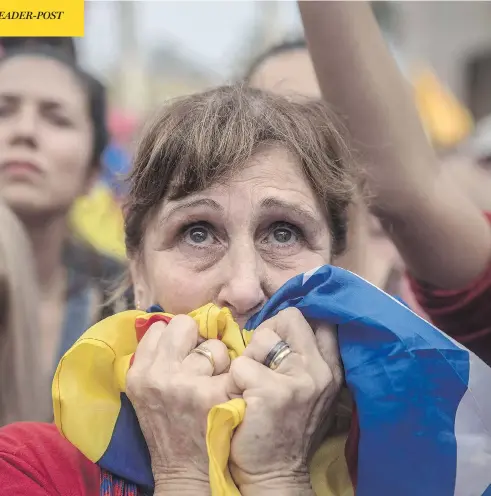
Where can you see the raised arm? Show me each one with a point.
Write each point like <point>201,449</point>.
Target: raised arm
<point>444,239</point>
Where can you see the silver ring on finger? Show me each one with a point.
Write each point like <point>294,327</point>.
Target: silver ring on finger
<point>204,351</point>
<point>277,354</point>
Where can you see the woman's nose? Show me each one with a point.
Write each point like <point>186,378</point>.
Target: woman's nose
<point>243,286</point>
<point>23,129</point>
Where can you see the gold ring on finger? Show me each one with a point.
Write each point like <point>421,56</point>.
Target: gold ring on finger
<point>279,357</point>
<point>204,351</point>
<point>277,354</point>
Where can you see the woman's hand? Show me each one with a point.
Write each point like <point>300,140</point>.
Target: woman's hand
<point>287,409</point>
<point>172,390</point>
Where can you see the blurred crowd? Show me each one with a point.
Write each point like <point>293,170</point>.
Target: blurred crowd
<point>63,157</point>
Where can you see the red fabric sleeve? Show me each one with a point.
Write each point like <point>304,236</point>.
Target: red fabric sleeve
<point>463,314</point>
<point>35,460</point>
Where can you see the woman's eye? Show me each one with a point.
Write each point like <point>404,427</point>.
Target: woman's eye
<point>198,235</point>
<point>59,120</point>
<point>284,234</point>
<point>5,110</point>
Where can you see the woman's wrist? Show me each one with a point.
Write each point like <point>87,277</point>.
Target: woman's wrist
<point>297,484</point>
<point>184,484</point>
<point>182,488</point>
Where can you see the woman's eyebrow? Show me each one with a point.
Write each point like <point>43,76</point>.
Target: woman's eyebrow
<point>46,101</point>
<point>9,97</point>
<point>299,209</point>
<point>181,205</point>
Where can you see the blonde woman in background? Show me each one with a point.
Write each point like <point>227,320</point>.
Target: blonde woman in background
<point>24,391</point>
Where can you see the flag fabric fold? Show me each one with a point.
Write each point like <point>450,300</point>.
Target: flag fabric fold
<point>423,409</point>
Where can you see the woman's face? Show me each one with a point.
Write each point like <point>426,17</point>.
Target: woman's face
<point>45,136</point>
<point>236,243</point>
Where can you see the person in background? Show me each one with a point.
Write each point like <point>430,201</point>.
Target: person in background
<point>96,217</point>
<point>52,135</point>
<point>23,390</point>
<point>287,69</point>
<point>442,236</point>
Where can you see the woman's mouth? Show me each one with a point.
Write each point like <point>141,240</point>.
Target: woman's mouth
<point>19,168</point>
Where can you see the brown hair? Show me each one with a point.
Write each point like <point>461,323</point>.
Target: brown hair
<point>24,391</point>
<point>201,139</point>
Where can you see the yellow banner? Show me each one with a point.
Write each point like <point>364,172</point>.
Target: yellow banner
<point>41,17</point>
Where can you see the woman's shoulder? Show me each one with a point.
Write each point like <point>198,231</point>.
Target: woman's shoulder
<point>36,460</point>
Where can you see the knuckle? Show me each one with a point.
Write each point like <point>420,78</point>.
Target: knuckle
<point>184,322</point>
<point>156,326</point>
<point>325,375</point>
<point>263,334</point>
<point>337,376</point>
<point>193,396</point>
<point>260,331</point>
<point>329,378</point>
<point>310,389</point>
<point>215,346</point>
<point>297,395</point>
<point>173,391</point>
<point>237,365</point>
<point>282,396</point>
<point>290,314</point>
<point>138,384</point>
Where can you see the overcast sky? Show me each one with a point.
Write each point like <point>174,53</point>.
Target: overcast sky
<point>209,32</point>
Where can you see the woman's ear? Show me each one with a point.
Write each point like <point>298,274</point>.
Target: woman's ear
<point>143,294</point>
